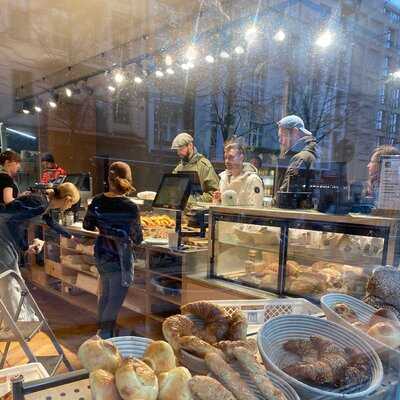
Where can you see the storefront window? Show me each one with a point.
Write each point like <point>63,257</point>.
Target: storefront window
<point>182,178</point>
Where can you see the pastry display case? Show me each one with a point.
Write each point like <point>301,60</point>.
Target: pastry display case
<point>299,253</point>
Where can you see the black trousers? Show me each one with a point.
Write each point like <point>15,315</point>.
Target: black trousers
<point>112,295</point>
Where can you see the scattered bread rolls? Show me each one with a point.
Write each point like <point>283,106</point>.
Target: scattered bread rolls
<point>161,355</point>
<point>102,385</point>
<point>96,353</point>
<point>206,388</point>
<point>174,384</point>
<point>135,380</point>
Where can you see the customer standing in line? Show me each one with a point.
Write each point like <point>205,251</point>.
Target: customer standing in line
<point>118,221</point>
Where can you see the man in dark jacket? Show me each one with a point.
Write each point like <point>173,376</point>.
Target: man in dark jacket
<point>298,154</point>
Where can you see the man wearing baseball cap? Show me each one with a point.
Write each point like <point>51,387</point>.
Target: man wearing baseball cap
<point>298,154</point>
<point>192,161</point>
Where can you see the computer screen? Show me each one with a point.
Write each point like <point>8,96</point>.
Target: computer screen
<point>173,192</point>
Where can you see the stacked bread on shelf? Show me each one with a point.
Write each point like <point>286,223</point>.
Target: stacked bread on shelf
<point>208,332</point>
<point>383,324</point>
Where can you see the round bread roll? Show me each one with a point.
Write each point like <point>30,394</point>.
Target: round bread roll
<point>174,385</point>
<point>135,380</point>
<point>161,355</point>
<point>96,353</point>
<point>102,385</point>
<point>386,333</point>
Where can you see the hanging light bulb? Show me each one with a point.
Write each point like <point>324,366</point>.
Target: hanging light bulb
<point>324,40</point>
<point>138,79</point>
<point>38,109</point>
<point>280,36</point>
<point>168,60</point>
<point>190,65</point>
<point>169,71</point>
<point>52,103</point>
<point>191,53</point>
<point>26,111</point>
<point>239,50</point>
<point>119,77</point>
<point>210,59</point>
<point>224,54</point>
<point>251,34</point>
<point>159,74</point>
<point>111,89</point>
<point>68,92</point>
<point>185,66</point>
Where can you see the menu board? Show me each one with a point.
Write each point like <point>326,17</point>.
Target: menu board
<point>389,183</point>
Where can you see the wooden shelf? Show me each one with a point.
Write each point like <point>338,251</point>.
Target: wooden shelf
<point>169,299</point>
<point>156,318</point>
<point>165,275</point>
<point>90,273</point>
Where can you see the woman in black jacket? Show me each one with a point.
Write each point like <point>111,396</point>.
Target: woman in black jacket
<point>14,220</point>
<point>118,221</point>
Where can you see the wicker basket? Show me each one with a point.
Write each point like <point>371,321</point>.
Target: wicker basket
<point>131,346</point>
<point>364,313</point>
<point>280,329</point>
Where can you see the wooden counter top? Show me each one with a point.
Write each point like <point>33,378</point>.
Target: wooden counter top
<point>305,215</point>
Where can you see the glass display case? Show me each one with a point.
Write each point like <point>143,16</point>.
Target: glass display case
<point>299,253</point>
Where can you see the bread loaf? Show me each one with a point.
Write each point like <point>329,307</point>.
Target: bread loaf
<point>161,355</point>
<point>135,380</point>
<point>228,346</point>
<point>197,346</point>
<point>96,353</point>
<point>175,327</point>
<point>102,385</point>
<point>174,385</point>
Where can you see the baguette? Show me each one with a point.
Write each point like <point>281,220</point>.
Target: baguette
<point>257,374</point>
<point>206,388</point>
<point>196,346</point>
<point>229,377</point>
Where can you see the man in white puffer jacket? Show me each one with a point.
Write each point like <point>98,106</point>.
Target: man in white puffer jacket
<point>241,178</point>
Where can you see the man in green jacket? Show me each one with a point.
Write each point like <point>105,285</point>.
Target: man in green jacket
<point>192,161</point>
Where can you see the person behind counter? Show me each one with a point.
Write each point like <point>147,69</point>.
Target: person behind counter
<point>298,153</point>
<point>118,221</point>
<point>241,178</point>
<point>10,163</point>
<point>192,161</point>
<point>14,220</point>
<point>50,170</point>
<point>374,170</point>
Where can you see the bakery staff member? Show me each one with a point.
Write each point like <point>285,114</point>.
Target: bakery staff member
<point>298,152</point>
<point>51,171</point>
<point>192,161</point>
<point>10,163</point>
<point>240,179</point>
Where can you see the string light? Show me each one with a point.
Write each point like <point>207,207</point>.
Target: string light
<point>251,34</point>
<point>52,104</point>
<point>119,77</point>
<point>224,54</point>
<point>239,50</point>
<point>138,79</point>
<point>210,59</point>
<point>159,74</point>
<point>396,74</point>
<point>168,60</point>
<point>111,89</point>
<point>191,53</point>
<point>190,65</point>
<point>169,71</point>
<point>38,109</point>
<point>26,111</point>
<point>324,40</point>
<point>185,66</point>
<point>68,92</point>
<point>280,36</point>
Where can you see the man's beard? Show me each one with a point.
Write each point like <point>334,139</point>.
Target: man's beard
<point>185,158</point>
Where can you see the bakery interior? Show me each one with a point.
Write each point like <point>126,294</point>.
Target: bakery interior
<point>259,271</point>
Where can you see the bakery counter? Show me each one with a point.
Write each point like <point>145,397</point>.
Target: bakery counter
<point>67,269</point>
<point>297,252</point>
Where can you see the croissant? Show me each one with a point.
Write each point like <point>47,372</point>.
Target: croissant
<point>303,348</point>
<point>216,323</point>
<point>326,346</point>
<point>319,372</point>
<point>175,327</point>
